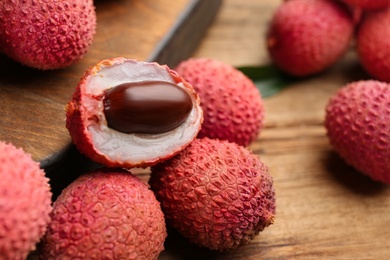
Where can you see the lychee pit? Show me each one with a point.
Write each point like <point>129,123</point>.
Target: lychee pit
<point>149,107</point>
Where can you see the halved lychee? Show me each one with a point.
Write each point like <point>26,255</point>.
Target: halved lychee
<point>129,113</point>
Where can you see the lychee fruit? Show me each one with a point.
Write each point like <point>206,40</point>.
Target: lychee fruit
<point>358,126</point>
<point>306,37</point>
<point>105,214</point>
<point>25,202</point>
<point>46,34</point>
<point>232,105</point>
<point>216,193</point>
<point>128,113</point>
<point>373,45</point>
<point>368,4</point>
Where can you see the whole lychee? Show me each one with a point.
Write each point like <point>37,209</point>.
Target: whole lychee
<point>46,34</point>
<point>127,113</point>
<point>232,105</point>
<point>368,4</point>
<point>373,45</point>
<point>358,126</point>
<point>217,194</point>
<point>25,202</point>
<point>105,214</point>
<point>306,37</point>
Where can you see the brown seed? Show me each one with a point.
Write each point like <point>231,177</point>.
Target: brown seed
<point>150,107</point>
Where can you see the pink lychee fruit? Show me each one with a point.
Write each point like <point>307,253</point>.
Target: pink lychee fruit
<point>46,34</point>
<point>216,193</point>
<point>368,4</point>
<point>306,37</point>
<point>25,202</point>
<point>358,125</point>
<point>128,113</point>
<point>105,214</point>
<point>232,105</point>
<point>373,44</point>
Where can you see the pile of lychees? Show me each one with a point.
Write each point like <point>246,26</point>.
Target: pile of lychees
<point>306,37</point>
<point>190,126</point>
<point>210,187</point>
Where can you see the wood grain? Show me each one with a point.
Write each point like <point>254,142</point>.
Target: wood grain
<point>325,209</point>
<point>32,112</point>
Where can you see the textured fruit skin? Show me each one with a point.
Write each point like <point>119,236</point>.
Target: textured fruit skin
<point>46,34</point>
<point>232,105</point>
<point>217,194</point>
<point>358,126</point>
<point>83,108</point>
<point>368,4</point>
<point>105,214</point>
<point>306,37</point>
<point>25,202</point>
<point>373,45</point>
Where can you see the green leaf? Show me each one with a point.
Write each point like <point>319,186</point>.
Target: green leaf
<point>268,78</point>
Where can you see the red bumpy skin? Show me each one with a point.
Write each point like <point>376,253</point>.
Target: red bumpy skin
<point>105,214</point>
<point>373,44</point>
<point>46,34</point>
<point>232,105</point>
<point>306,37</point>
<point>217,194</point>
<point>88,126</point>
<point>368,4</point>
<point>358,126</point>
<point>25,202</point>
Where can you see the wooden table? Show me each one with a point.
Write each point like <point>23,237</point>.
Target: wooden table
<point>325,209</point>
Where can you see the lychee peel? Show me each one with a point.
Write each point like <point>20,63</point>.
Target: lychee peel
<point>46,34</point>
<point>373,45</point>
<point>368,4</point>
<point>25,202</point>
<point>232,105</point>
<point>306,37</point>
<point>358,125</point>
<point>216,193</point>
<point>105,214</point>
<point>88,127</point>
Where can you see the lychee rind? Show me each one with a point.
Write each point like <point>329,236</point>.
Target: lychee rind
<point>46,34</point>
<point>232,105</point>
<point>306,37</point>
<point>373,45</point>
<point>88,127</point>
<point>358,125</point>
<point>216,193</point>
<point>105,214</point>
<point>25,202</point>
<point>368,4</point>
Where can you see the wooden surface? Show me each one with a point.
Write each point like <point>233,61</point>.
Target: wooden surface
<point>325,209</point>
<point>32,112</point>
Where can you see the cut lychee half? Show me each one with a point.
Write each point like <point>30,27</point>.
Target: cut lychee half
<point>129,113</point>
